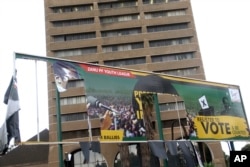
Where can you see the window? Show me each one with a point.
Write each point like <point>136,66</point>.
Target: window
<point>159,1</point>
<point>167,42</point>
<point>114,19</point>
<point>74,117</point>
<point>75,52</point>
<point>160,14</point>
<point>167,27</point>
<point>154,1</point>
<point>76,22</point>
<point>115,33</point>
<point>76,8</point>
<point>72,100</point>
<point>172,106</point>
<point>119,4</point>
<point>75,83</point>
<point>71,37</point>
<point>122,47</point>
<point>172,57</point>
<point>125,62</point>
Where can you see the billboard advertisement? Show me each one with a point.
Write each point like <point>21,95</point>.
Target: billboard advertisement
<point>215,111</point>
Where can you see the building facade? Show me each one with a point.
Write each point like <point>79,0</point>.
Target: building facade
<point>148,35</point>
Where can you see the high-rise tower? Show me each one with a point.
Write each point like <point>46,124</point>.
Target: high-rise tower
<point>148,35</point>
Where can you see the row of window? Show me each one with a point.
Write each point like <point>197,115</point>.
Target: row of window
<point>158,1</point>
<point>119,4</point>
<point>121,18</point>
<point>109,5</point>
<point>168,27</point>
<point>119,32</point>
<point>115,19</point>
<point>121,47</point>
<point>157,58</point>
<point>71,37</point>
<point>73,100</point>
<point>173,57</point>
<point>75,84</point>
<point>75,22</point>
<point>76,8</point>
<point>74,117</point>
<point>124,62</point>
<point>75,52</point>
<point>172,106</point>
<point>165,14</point>
<point>142,60</point>
<point>167,42</point>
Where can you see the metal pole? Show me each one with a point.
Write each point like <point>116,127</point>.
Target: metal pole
<point>231,146</point>
<point>59,129</point>
<point>158,119</point>
<point>37,105</point>
<point>177,108</point>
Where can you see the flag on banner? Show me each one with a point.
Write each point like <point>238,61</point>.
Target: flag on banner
<point>11,99</point>
<point>63,72</point>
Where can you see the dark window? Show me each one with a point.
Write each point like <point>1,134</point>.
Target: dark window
<point>71,37</point>
<point>76,22</point>
<point>114,33</point>
<point>172,57</point>
<point>167,27</point>
<point>119,4</point>
<point>76,8</point>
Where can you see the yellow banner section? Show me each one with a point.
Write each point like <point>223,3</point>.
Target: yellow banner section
<point>220,127</point>
<point>111,135</point>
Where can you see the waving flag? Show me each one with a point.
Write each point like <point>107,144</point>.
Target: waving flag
<point>11,99</point>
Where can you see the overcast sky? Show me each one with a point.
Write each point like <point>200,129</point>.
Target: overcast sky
<point>223,32</point>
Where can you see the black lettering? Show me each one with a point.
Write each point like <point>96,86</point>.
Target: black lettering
<point>228,131</point>
<point>214,131</point>
<point>221,127</point>
<point>205,127</point>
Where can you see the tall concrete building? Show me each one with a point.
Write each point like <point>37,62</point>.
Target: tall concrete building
<point>148,35</point>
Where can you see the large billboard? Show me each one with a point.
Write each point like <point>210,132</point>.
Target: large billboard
<point>215,111</point>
